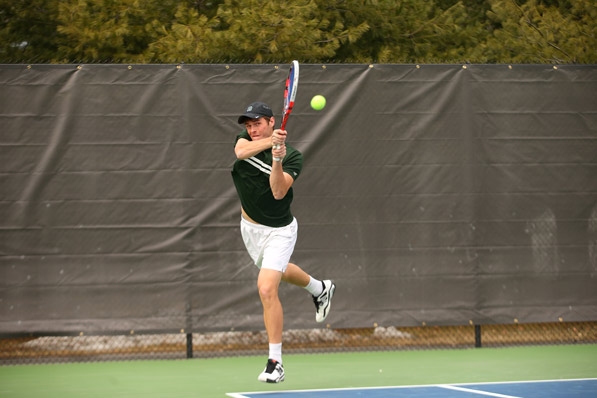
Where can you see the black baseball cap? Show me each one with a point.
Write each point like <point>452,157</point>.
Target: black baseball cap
<point>255,111</point>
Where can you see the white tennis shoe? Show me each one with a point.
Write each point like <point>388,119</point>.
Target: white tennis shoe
<point>273,372</point>
<point>323,302</point>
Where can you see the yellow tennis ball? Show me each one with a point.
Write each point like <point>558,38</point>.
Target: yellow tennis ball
<point>318,102</point>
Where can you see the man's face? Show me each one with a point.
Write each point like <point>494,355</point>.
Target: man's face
<point>260,128</point>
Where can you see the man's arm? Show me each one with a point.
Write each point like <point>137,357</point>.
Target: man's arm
<point>279,181</point>
<point>244,148</point>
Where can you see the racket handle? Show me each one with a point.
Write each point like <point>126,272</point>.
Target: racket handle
<point>277,146</point>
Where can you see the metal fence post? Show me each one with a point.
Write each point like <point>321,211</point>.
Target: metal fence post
<point>477,336</point>
<point>189,345</point>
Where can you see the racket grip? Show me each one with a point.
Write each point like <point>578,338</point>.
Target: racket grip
<point>277,146</point>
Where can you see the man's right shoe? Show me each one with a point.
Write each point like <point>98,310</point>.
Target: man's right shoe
<point>323,302</point>
<point>273,372</point>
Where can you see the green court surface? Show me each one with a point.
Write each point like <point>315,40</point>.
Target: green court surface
<point>218,376</point>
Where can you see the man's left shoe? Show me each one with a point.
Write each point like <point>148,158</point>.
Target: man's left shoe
<point>323,302</point>
<point>273,372</point>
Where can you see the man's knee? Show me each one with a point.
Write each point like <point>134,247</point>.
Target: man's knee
<point>268,290</point>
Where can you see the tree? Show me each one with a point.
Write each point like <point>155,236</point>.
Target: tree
<point>28,30</point>
<point>259,31</point>
<point>533,32</point>
<point>188,39</point>
<point>102,30</point>
<point>411,31</point>
<point>383,31</point>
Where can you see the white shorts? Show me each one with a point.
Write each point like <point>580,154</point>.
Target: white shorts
<point>269,247</point>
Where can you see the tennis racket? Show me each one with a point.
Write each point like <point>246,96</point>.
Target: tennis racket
<point>289,96</point>
<point>290,92</point>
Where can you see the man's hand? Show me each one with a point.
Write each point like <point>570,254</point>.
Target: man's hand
<point>278,138</point>
<point>278,152</point>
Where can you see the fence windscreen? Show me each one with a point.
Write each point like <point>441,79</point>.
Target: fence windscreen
<point>431,195</point>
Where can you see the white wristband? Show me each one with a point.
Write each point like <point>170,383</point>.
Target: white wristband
<point>278,159</point>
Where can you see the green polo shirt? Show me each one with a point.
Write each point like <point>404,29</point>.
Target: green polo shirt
<point>251,179</point>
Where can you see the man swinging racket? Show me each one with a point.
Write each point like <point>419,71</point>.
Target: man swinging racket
<point>263,175</point>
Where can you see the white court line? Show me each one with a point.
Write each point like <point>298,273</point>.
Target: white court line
<point>478,392</point>
<point>242,394</point>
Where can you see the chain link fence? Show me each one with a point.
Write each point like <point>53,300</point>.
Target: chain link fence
<point>85,348</point>
<point>90,208</point>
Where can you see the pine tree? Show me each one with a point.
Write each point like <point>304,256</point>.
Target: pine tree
<point>28,30</point>
<point>383,31</point>
<point>534,32</point>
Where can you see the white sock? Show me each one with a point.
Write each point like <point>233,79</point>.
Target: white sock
<point>275,352</point>
<point>315,287</point>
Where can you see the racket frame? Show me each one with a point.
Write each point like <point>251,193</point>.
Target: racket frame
<point>289,95</point>
<point>290,92</point>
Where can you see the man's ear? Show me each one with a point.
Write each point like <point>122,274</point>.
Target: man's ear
<point>272,121</point>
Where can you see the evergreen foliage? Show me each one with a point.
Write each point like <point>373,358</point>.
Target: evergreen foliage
<point>260,31</point>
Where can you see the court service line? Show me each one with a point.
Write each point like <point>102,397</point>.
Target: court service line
<point>490,394</point>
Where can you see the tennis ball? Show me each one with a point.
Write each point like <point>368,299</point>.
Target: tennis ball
<point>318,102</point>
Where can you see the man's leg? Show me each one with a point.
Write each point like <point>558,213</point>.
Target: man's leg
<point>296,276</point>
<point>322,291</point>
<point>268,283</point>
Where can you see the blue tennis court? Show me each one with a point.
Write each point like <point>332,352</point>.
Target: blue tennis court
<point>577,388</point>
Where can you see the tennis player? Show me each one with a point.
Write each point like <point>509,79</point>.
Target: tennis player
<point>263,175</point>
